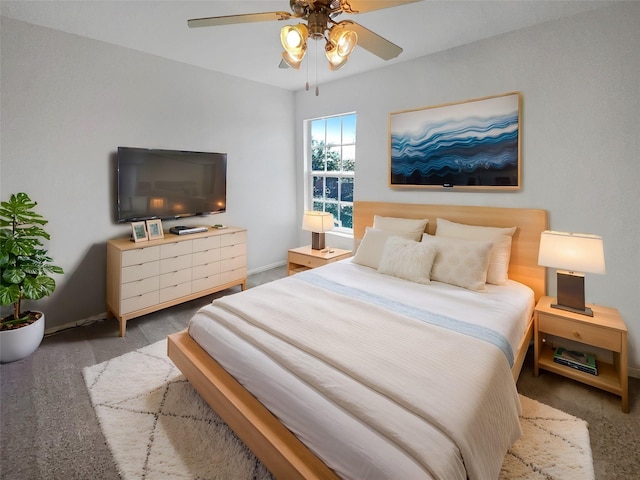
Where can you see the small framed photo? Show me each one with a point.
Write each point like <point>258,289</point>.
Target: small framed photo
<point>139,231</point>
<point>154,229</point>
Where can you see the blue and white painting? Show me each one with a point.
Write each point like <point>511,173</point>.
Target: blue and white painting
<point>473,144</point>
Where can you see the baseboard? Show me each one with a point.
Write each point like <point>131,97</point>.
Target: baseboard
<point>264,268</point>
<point>634,372</point>
<point>77,323</point>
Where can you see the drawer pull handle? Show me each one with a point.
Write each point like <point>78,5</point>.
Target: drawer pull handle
<point>576,334</point>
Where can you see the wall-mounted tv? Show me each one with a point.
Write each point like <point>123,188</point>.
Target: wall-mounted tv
<point>169,184</point>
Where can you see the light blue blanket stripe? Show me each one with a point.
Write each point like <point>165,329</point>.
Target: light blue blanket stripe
<point>477,331</point>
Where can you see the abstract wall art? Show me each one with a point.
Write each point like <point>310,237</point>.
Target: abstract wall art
<point>467,145</point>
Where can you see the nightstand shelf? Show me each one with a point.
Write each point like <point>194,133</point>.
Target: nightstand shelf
<point>305,258</point>
<point>605,330</point>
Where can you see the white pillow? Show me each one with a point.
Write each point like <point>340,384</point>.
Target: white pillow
<point>370,249</point>
<point>460,262</point>
<point>498,271</point>
<point>404,258</point>
<point>401,225</point>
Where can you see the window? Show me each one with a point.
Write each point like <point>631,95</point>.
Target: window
<point>331,159</point>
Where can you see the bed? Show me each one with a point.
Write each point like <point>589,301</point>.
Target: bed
<point>359,437</point>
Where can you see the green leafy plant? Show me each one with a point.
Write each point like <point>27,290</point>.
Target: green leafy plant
<point>25,264</point>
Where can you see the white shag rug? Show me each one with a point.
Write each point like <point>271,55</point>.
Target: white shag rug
<point>158,427</point>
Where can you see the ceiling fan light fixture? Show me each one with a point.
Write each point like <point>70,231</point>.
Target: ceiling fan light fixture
<point>294,39</point>
<point>336,61</point>
<point>343,38</point>
<point>292,60</point>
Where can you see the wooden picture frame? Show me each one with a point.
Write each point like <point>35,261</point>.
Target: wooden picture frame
<point>139,232</point>
<point>154,229</point>
<point>469,145</point>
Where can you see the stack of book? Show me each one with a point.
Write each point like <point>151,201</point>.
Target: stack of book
<point>585,362</point>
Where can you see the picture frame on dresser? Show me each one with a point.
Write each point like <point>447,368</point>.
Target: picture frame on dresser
<point>139,232</point>
<point>154,229</point>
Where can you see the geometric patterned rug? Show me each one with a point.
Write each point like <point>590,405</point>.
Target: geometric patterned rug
<point>158,427</point>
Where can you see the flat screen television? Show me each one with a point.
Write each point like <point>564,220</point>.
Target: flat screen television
<point>169,184</point>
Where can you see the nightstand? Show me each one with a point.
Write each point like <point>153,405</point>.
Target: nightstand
<point>305,258</point>
<point>605,330</point>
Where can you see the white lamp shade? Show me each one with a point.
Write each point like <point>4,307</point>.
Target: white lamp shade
<point>318,222</point>
<point>575,252</point>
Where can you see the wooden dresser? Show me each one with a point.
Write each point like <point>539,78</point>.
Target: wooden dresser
<point>149,276</point>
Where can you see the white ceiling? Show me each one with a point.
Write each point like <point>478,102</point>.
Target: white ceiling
<point>253,50</point>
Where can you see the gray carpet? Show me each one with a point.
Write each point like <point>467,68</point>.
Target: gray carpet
<point>49,429</point>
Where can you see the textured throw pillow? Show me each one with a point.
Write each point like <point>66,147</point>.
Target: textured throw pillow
<point>460,262</point>
<point>498,271</point>
<point>401,225</point>
<point>404,258</point>
<point>370,249</point>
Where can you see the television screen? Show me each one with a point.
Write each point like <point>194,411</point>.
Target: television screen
<point>169,184</point>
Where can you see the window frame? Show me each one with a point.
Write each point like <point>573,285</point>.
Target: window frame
<point>310,174</point>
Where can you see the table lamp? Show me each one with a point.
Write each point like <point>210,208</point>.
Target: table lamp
<point>573,255</point>
<point>318,223</point>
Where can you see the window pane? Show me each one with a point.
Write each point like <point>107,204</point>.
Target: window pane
<point>318,207</point>
<point>346,216</point>
<point>318,131</point>
<point>348,158</point>
<point>346,189</point>
<point>332,208</point>
<point>349,128</point>
<point>334,135</point>
<point>318,188</point>
<point>333,159</point>
<point>331,188</point>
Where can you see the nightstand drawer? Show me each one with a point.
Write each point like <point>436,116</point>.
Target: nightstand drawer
<point>306,260</point>
<point>580,332</point>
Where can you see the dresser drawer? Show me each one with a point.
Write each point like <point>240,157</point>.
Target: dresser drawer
<point>205,283</point>
<point>206,270</point>
<point>139,287</point>
<point>176,249</point>
<point>206,256</point>
<point>175,278</point>
<point>231,251</point>
<point>233,238</point>
<point>580,332</point>
<point>140,255</point>
<point>209,243</point>
<point>233,275</point>
<point>138,303</point>
<point>175,291</point>
<point>174,264</point>
<point>140,271</point>
<point>228,264</point>
<point>306,260</point>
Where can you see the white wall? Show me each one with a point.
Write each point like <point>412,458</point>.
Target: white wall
<point>67,104</point>
<point>580,84</point>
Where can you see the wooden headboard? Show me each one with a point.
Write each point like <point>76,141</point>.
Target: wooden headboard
<point>523,266</point>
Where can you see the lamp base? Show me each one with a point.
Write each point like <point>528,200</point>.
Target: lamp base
<point>587,311</point>
<point>317,241</point>
<point>571,293</point>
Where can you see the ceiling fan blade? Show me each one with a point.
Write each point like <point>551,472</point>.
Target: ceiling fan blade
<point>374,43</point>
<point>233,19</point>
<point>362,6</point>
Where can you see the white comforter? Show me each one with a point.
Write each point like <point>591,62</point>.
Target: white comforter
<point>434,393</point>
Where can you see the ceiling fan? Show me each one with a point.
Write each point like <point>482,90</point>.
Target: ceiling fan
<point>340,37</point>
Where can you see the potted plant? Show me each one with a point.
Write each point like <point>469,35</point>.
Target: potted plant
<point>26,269</point>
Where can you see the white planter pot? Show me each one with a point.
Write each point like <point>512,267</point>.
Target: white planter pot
<point>21,342</point>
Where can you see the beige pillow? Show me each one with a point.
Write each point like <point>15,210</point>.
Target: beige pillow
<point>401,225</point>
<point>404,258</point>
<point>370,249</point>
<point>498,271</point>
<point>460,262</point>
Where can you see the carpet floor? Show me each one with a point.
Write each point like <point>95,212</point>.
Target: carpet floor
<point>157,427</point>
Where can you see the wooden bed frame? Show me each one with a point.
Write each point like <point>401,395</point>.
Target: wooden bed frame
<point>279,449</point>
